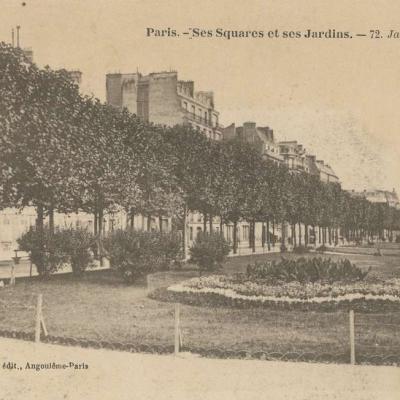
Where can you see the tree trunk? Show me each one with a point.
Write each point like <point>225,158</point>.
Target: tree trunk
<point>263,235</point>
<point>273,232</point>
<point>39,229</point>
<point>210,223</point>
<point>160,224</point>
<point>299,233</point>
<point>204,222</point>
<point>306,235</point>
<point>101,222</point>
<point>253,244</point>
<point>221,226</point>
<point>95,223</point>
<point>268,237</point>
<point>250,233</point>
<point>294,241</point>
<point>132,218</point>
<point>101,233</point>
<point>148,223</point>
<point>51,220</point>
<point>235,237</point>
<point>184,233</point>
<point>283,239</point>
<point>51,232</point>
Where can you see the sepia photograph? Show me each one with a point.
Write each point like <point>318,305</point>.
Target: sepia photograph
<point>199,200</point>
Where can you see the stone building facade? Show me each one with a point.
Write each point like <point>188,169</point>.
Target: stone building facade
<point>162,99</point>
<point>387,197</point>
<point>294,155</point>
<point>261,137</point>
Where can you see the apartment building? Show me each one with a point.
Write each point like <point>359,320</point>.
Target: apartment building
<point>294,156</point>
<point>163,99</point>
<point>261,137</point>
<point>387,197</point>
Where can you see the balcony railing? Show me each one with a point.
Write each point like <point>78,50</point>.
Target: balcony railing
<point>203,121</point>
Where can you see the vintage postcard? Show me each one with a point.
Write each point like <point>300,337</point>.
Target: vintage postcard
<point>199,200</point>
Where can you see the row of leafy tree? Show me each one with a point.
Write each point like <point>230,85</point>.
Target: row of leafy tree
<point>62,151</point>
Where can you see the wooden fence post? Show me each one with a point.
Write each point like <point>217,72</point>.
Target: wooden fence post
<point>39,323</point>
<point>148,283</point>
<point>12,277</point>
<point>352,342</point>
<point>38,317</point>
<point>177,327</point>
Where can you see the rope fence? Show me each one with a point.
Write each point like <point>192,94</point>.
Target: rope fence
<point>358,345</point>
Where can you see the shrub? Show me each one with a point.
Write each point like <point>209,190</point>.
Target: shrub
<point>321,248</point>
<point>301,249</point>
<point>171,248</point>
<point>50,251</point>
<point>378,252</point>
<point>209,251</point>
<point>134,254</point>
<point>45,250</point>
<point>77,244</point>
<point>306,270</point>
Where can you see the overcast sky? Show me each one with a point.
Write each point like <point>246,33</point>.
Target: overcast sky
<point>340,98</point>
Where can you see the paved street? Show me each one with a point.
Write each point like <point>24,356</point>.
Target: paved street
<point>23,269</point>
<point>118,375</point>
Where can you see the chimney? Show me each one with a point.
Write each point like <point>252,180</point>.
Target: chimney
<point>271,135</point>
<point>12,37</point>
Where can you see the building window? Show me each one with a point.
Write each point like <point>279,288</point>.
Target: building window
<point>198,232</point>
<point>185,105</point>
<point>6,246</point>
<point>191,233</point>
<point>193,110</point>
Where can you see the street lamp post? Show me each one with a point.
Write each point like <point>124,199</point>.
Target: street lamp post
<point>15,262</point>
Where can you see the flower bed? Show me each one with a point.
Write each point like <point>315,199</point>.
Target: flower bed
<point>230,291</point>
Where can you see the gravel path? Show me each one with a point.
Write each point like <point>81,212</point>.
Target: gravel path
<point>117,375</point>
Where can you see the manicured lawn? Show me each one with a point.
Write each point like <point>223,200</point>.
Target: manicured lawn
<point>101,307</point>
